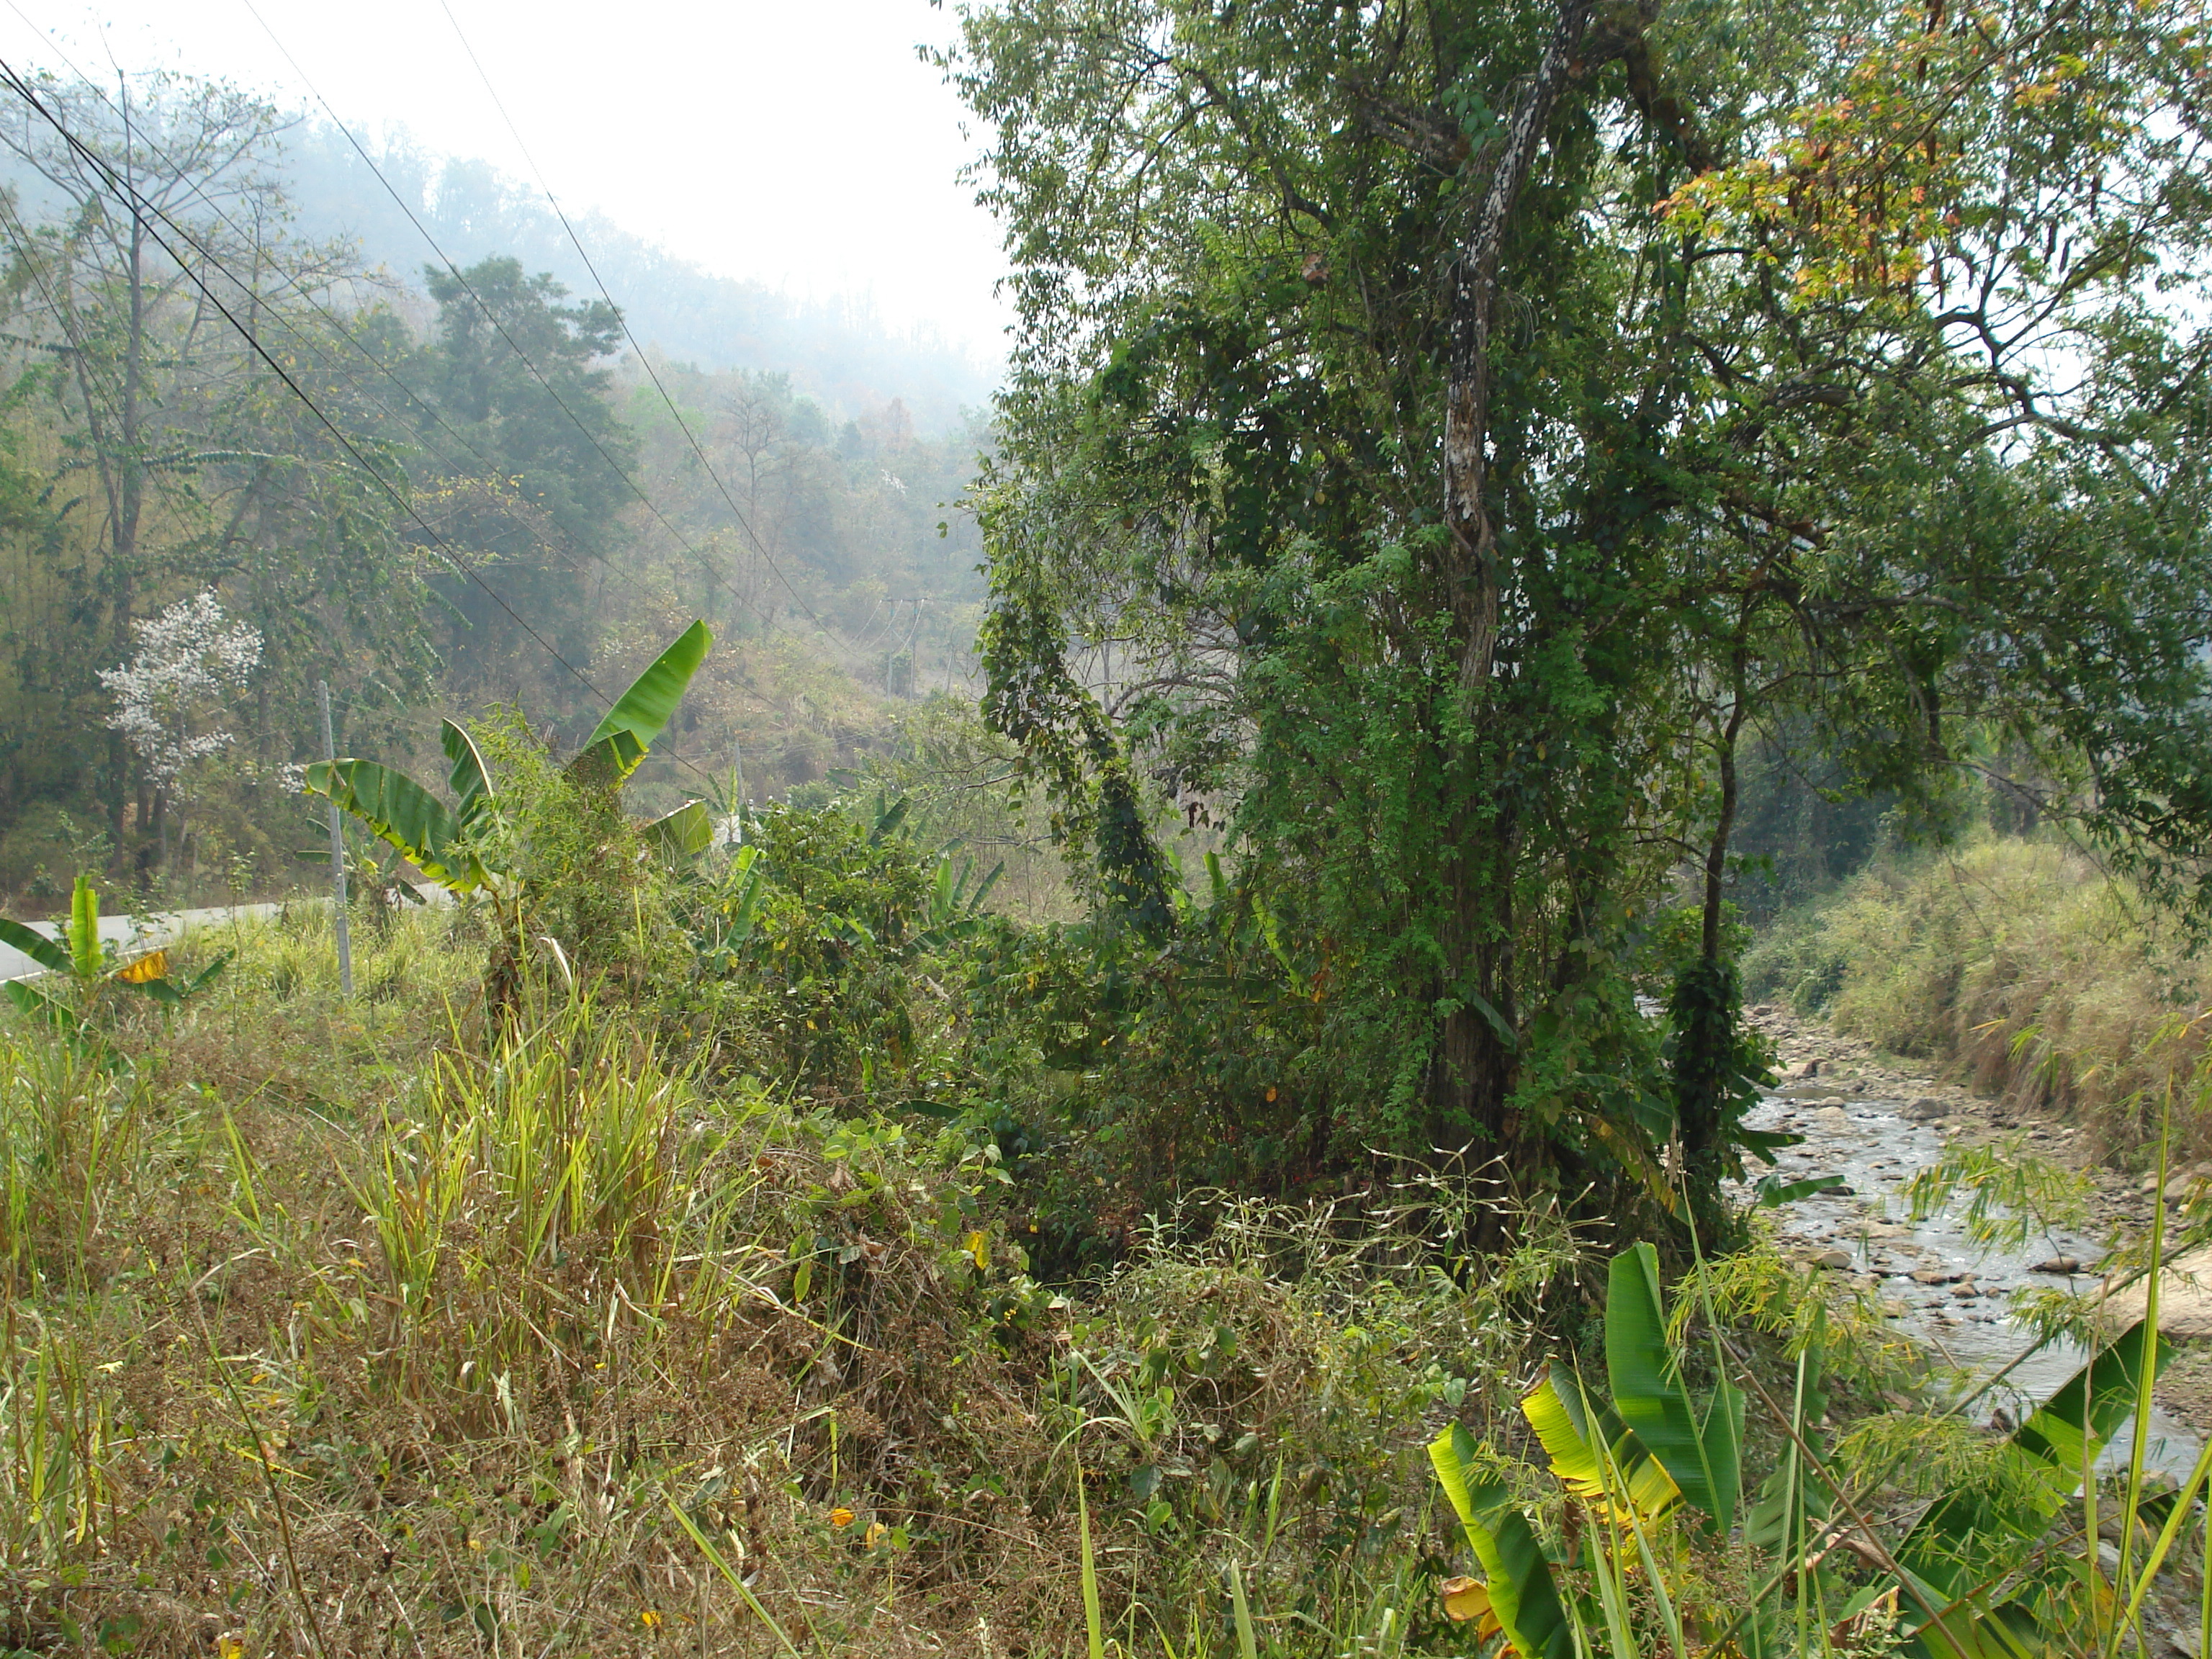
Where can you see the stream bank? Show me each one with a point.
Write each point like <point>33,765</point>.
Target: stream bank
<point>1877,1122</point>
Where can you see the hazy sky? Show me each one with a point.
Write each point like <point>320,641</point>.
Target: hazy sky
<point>796,142</point>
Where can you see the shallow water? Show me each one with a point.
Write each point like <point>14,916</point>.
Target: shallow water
<point>1878,1150</point>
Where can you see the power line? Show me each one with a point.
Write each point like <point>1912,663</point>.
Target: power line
<point>644,362</point>
<point>492,316</point>
<point>713,576</point>
<point>144,211</point>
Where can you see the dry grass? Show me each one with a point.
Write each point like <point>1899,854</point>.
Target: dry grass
<point>332,1329</point>
<point>328,1333</point>
<point>2019,963</point>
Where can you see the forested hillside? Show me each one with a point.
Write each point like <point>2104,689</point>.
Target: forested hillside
<point>413,463</point>
<point>1530,557</point>
<point>383,200</point>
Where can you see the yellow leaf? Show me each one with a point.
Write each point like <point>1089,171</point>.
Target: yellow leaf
<point>1626,1471</point>
<point>841,1517</point>
<point>1467,1599</point>
<point>154,965</point>
<point>978,1246</point>
<point>876,1534</point>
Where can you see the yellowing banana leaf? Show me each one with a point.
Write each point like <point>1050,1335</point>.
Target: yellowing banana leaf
<point>619,742</point>
<point>402,812</point>
<point>1554,1409</point>
<point>471,779</point>
<point>154,965</point>
<point>685,833</point>
<point>1517,1578</point>
<point>1467,1600</point>
<point>47,953</point>
<point>1704,1457</point>
<point>171,993</point>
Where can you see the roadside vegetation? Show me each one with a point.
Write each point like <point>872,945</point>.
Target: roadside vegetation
<point>1233,1125</point>
<point>680,1247</point>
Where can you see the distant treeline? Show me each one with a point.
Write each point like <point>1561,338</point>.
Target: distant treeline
<point>437,497</point>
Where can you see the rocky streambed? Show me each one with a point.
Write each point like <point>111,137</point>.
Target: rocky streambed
<point>1878,1126</point>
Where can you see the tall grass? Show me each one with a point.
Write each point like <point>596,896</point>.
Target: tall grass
<point>2017,962</point>
<point>362,1328</point>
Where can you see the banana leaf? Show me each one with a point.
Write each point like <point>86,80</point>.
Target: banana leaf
<point>29,1000</point>
<point>888,820</point>
<point>619,742</point>
<point>471,779</point>
<point>140,970</point>
<point>1704,1458</point>
<point>1555,1409</point>
<point>35,944</point>
<point>83,934</point>
<point>1523,1596</point>
<point>402,812</point>
<point>2042,1465</point>
<point>685,833</point>
<point>172,993</point>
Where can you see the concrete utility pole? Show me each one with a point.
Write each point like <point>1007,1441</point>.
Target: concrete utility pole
<point>738,790</point>
<point>338,854</point>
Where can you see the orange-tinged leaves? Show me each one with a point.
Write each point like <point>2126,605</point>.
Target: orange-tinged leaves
<point>154,965</point>
<point>1467,1600</point>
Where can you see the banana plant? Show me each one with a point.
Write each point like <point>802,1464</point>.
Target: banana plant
<point>1632,1463</point>
<point>446,843</point>
<point>1957,1609</point>
<point>83,962</point>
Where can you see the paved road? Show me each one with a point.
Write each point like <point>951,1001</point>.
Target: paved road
<point>159,928</point>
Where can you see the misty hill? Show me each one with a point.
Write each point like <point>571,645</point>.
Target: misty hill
<point>837,351</point>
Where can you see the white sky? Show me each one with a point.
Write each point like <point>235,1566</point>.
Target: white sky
<point>797,143</point>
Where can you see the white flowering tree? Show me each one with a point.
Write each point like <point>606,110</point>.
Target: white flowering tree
<point>169,696</point>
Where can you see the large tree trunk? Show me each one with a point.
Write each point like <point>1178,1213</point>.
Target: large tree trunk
<point>1473,1076</point>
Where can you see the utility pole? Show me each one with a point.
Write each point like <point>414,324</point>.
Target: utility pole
<point>338,854</point>
<point>738,789</point>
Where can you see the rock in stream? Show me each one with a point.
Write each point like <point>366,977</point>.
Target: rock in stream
<point>1935,1283</point>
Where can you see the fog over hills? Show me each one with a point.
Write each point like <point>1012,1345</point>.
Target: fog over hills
<point>835,350</point>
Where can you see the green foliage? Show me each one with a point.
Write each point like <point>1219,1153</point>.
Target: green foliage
<point>627,730</point>
<point>1291,279</point>
<point>566,873</point>
<point>1523,1597</point>
<point>1719,1066</point>
<point>405,816</point>
<point>88,967</point>
<point>853,938</point>
<point>1700,1451</point>
<point>1968,1578</point>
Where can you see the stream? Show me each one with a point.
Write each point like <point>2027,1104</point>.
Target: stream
<point>1937,1284</point>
